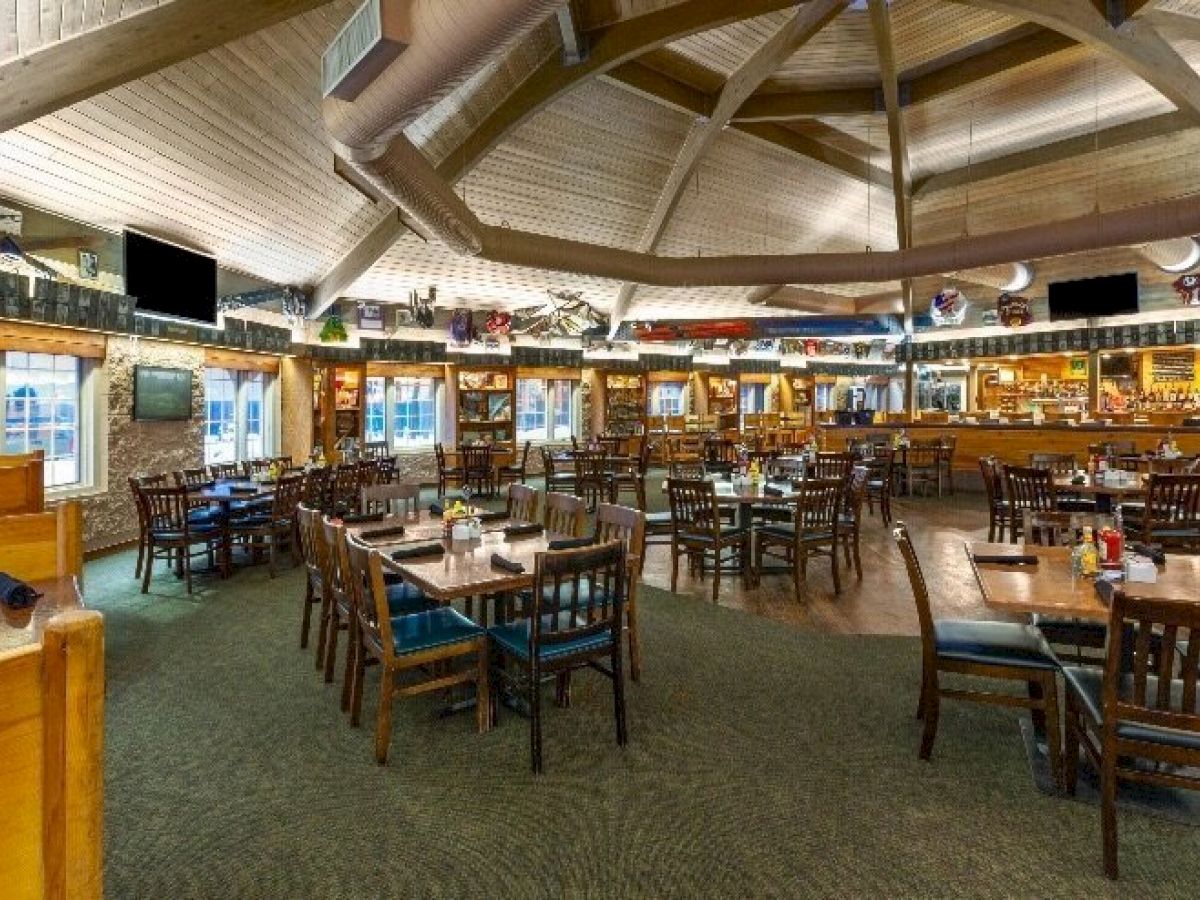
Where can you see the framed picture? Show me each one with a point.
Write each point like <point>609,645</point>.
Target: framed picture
<point>89,265</point>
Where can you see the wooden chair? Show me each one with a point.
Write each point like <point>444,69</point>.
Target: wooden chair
<point>620,523</point>
<point>1031,489</point>
<point>251,467</point>
<point>171,535</point>
<point>948,447</point>
<point>318,489</point>
<point>880,483</point>
<point>193,478</point>
<point>445,473</point>
<point>1061,464</point>
<point>136,483</point>
<point>850,519</point>
<point>477,469</point>
<point>1004,651</point>
<point>575,623</point>
<point>224,471</point>
<point>999,508</point>
<point>1171,514</point>
<point>424,643</point>
<point>522,503</point>
<point>815,530</point>
<point>375,449</point>
<point>385,468</point>
<point>1134,710</point>
<point>22,483</point>
<point>633,479</point>
<point>391,499</point>
<point>923,467</point>
<point>565,514</point>
<point>344,486</point>
<point>555,479</point>
<point>514,472</point>
<point>831,465</point>
<point>312,546</point>
<point>698,530</point>
<point>275,526</point>
<point>593,480</point>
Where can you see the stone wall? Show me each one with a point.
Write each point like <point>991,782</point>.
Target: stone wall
<point>295,401</point>
<point>141,447</point>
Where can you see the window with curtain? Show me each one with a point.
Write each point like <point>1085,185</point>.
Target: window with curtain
<point>754,398</point>
<point>665,398</point>
<point>42,412</point>
<point>545,409</point>
<point>237,415</point>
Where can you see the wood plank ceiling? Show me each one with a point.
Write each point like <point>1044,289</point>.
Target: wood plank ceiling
<point>227,151</point>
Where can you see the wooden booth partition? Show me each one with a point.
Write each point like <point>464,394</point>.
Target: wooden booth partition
<point>51,717</point>
<point>22,483</point>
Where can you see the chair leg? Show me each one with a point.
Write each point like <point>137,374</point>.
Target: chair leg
<point>353,649</point>
<point>619,695</point>
<point>483,701</point>
<point>185,554</point>
<point>535,722</point>
<point>921,700</point>
<point>932,708</point>
<point>137,571</point>
<point>1108,813</point>
<point>271,551</point>
<point>335,626</point>
<point>837,584</point>
<point>306,622</point>
<point>149,567</point>
<point>716,575</point>
<point>356,690</point>
<point>674,567</point>
<point>383,722</point>
<point>992,529</point>
<point>635,641</point>
<point>1053,731</point>
<point>857,557</point>
<point>323,631</point>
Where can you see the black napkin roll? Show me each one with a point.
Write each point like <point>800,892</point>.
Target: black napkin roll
<point>493,515</point>
<point>1008,559</point>
<point>436,509</point>
<point>360,518</point>
<point>769,491</point>
<point>376,533</point>
<point>501,562</point>
<point>570,543</point>
<point>16,594</point>
<point>1153,552</point>
<point>523,529</point>
<point>417,551</point>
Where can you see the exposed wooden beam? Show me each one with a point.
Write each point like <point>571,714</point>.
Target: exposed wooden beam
<point>1179,25</point>
<point>806,104</point>
<point>661,88</point>
<point>762,63</point>
<point>1140,48</point>
<point>881,29</point>
<point>351,266</point>
<point>68,71</point>
<point>1047,154</point>
<point>608,48</point>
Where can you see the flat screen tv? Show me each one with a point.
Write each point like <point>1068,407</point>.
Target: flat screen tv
<point>170,280</point>
<point>1089,298</point>
<point>161,395</point>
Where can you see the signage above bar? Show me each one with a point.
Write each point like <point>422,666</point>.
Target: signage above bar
<point>754,329</point>
<point>1074,340</point>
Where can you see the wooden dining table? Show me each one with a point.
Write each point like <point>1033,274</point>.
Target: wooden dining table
<point>22,627</point>
<point>224,493</point>
<point>1049,588</point>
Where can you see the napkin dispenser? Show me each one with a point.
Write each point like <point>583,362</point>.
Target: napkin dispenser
<point>1139,569</point>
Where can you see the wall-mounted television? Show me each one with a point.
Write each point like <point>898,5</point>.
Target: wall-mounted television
<point>170,280</point>
<point>1091,298</point>
<point>161,395</point>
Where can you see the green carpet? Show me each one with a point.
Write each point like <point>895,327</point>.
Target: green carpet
<point>763,762</point>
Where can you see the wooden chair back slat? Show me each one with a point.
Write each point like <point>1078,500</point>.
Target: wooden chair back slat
<point>920,589</point>
<point>577,594</point>
<point>1057,463</point>
<point>819,503</point>
<point>398,499</point>
<point>1030,488</point>
<point>694,506</point>
<point>522,503</point>
<point>565,514</point>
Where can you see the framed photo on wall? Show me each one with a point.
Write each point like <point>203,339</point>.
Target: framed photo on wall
<point>89,265</point>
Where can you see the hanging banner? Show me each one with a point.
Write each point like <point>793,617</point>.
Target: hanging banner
<point>754,329</point>
<point>1014,311</point>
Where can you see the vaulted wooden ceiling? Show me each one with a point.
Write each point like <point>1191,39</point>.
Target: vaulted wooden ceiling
<point>1005,122</point>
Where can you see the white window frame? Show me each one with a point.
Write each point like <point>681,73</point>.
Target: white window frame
<point>552,388</point>
<point>91,426</point>
<point>389,412</point>
<point>654,409</point>
<point>269,425</point>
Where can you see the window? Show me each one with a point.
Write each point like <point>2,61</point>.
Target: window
<point>665,399</point>
<point>376,424</point>
<point>237,417</point>
<point>754,398</point>
<point>545,409</point>
<point>402,411</point>
<point>414,412</point>
<point>42,412</point>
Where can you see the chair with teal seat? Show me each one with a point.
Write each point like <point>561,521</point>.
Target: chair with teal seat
<point>1142,707</point>
<point>275,525</point>
<point>815,530</point>
<point>575,621</point>
<point>423,644</point>
<point>1000,651</point>
<point>172,535</point>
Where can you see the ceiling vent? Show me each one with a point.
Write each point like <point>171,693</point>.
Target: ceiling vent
<point>375,35</point>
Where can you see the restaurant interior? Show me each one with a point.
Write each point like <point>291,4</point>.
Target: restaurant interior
<point>524,448</point>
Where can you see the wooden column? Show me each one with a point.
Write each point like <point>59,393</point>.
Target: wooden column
<point>1093,363</point>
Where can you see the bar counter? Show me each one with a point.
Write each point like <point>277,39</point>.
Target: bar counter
<point>1012,443</point>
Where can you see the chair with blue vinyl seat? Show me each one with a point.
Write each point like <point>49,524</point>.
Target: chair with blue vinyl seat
<point>136,483</point>
<point>422,644</point>
<point>1143,706</point>
<point>401,599</point>
<point>312,550</point>
<point>1004,651</point>
<point>698,530</point>
<point>815,530</point>
<point>575,622</point>
<point>274,525</point>
<point>171,535</point>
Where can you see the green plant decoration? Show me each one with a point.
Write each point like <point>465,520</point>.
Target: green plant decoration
<point>333,331</point>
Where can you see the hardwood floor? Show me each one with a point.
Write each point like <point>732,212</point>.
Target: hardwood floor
<point>882,603</point>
